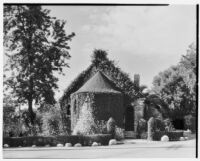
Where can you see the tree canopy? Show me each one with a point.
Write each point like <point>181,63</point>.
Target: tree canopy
<point>36,46</point>
<point>176,86</point>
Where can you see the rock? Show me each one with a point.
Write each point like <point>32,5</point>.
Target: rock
<point>165,138</point>
<point>6,146</point>
<point>68,145</point>
<point>19,146</point>
<point>78,145</point>
<point>186,138</point>
<point>59,145</point>
<point>99,144</point>
<point>181,139</point>
<point>33,146</point>
<point>94,144</point>
<point>47,145</point>
<point>112,142</point>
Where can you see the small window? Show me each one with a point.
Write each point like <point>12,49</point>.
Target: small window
<point>68,110</point>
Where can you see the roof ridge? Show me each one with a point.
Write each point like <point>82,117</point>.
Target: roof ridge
<point>99,82</point>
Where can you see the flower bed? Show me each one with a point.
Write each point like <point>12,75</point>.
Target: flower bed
<point>53,141</point>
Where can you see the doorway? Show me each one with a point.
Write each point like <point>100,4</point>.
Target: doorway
<point>129,119</point>
<point>178,124</point>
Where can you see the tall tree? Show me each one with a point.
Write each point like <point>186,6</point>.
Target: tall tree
<point>189,68</point>
<point>36,46</point>
<point>176,85</point>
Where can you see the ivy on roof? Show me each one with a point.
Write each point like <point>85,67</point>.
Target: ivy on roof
<point>100,62</point>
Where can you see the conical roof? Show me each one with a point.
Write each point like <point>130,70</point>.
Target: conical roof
<point>98,83</point>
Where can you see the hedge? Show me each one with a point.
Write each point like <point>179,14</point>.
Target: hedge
<point>173,135</point>
<point>99,138</point>
<point>143,135</point>
<point>53,141</point>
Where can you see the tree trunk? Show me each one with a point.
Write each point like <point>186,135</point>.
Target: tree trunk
<point>30,109</point>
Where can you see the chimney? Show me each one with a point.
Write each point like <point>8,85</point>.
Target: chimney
<point>137,80</point>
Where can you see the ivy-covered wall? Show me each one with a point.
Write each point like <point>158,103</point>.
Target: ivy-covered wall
<point>122,81</point>
<point>104,106</point>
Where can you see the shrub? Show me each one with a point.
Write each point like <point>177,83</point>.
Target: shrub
<point>141,127</point>
<point>160,125</point>
<point>143,135</point>
<point>10,121</point>
<point>53,141</point>
<point>67,139</point>
<point>168,125</point>
<point>52,122</point>
<point>99,138</point>
<point>119,133</point>
<point>100,127</point>
<point>151,128</point>
<point>190,123</point>
<point>111,126</point>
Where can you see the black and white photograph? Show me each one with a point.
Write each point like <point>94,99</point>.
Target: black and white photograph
<point>99,80</point>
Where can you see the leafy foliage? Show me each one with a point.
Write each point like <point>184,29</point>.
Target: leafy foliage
<point>111,125</point>
<point>160,125</point>
<point>29,129</point>
<point>17,122</point>
<point>119,133</point>
<point>36,46</point>
<point>52,122</point>
<point>176,85</point>
<point>54,140</point>
<point>10,118</point>
<point>153,100</point>
<point>142,126</point>
<point>190,122</point>
<point>86,121</point>
<point>168,125</point>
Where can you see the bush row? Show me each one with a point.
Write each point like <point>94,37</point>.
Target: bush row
<point>53,141</point>
<point>173,135</point>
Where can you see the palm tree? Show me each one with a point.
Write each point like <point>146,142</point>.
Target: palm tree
<point>153,100</point>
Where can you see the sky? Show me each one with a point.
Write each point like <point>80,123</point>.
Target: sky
<point>142,40</point>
